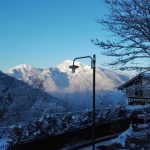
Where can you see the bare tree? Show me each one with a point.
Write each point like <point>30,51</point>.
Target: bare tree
<point>129,21</point>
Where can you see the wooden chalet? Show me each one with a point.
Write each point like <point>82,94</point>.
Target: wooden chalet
<point>138,89</point>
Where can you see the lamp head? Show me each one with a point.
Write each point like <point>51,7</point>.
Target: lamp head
<point>73,67</point>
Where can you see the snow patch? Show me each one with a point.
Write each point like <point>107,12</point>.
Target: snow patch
<point>121,139</point>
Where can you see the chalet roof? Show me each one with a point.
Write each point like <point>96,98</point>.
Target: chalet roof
<point>145,75</point>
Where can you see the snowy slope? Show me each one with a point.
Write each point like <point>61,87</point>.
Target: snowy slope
<point>20,102</point>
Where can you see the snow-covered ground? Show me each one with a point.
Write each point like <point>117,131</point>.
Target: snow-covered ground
<point>121,139</point>
<point>137,137</point>
<point>57,123</point>
<point>133,138</point>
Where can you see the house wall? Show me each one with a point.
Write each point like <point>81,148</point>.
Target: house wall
<point>131,91</point>
<point>146,88</point>
<point>138,91</point>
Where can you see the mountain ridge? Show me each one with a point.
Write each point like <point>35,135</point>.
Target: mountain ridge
<point>62,83</point>
<point>62,72</point>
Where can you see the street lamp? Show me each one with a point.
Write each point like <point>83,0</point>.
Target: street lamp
<point>93,66</point>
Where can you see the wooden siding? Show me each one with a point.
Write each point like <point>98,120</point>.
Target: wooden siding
<point>140,89</point>
<point>130,91</point>
<point>146,88</point>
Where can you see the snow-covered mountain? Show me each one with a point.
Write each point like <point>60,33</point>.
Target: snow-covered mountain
<point>21,102</point>
<point>24,72</point>
<point>61,77</point>
<point>62,83</point>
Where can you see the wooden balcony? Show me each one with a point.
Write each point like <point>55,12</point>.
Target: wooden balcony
<point>138,100</point>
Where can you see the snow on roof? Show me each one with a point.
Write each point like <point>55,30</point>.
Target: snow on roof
<point>146,74</point>
<point>143,74</point>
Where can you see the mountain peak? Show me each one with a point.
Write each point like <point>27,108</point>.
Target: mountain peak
<point>21,67</point>
<point>64,67</point>
<point>23,70</point>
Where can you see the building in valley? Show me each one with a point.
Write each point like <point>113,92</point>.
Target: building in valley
<point>138,89</point>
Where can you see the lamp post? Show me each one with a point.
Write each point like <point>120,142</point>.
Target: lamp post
<point>93,66</point>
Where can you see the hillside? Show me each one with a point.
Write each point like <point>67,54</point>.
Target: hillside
<point>21,102</point>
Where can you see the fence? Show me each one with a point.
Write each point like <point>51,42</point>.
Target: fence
<point>60,141</point>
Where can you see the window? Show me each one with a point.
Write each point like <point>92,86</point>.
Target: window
<point>138,89</point>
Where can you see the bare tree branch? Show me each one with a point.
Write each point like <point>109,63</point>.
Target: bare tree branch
<point>129,21</point>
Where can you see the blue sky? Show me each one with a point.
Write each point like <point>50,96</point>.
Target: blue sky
<point>44,33</point>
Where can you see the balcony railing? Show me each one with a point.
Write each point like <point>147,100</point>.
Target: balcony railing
<point>138,100</point>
